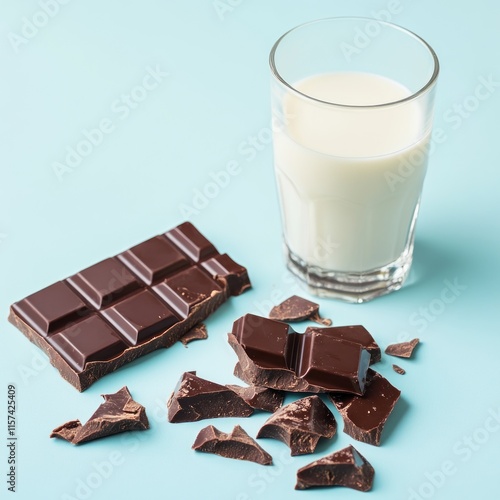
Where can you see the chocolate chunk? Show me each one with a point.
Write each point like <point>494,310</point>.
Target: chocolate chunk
<point>67,431</point>
<point>260,398</point>
<point>271,354</point>
<point>403,349</point>
<point>346,467</point>
<point>355,333</point>
<point>118,413</point>
<point>195,399</point>
<point>398,369</point>
<point>365,416</point>
<point>297,308</point>
<point>129,305</point>
<point>198,332</point>
<point>300,425</point>
<point>237,445</point>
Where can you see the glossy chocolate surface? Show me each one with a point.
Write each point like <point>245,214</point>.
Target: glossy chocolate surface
<point>128,305</point>
<point>272,354</point>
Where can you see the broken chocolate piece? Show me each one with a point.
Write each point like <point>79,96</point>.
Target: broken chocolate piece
<point>237,445</point>
<point>403,349</point>
<point>260,398</point>
<point>195,399</point>
<point>129,305</point>
<point>297,308</point>
<point>198,332</point>
<point>271,354</point>
<point>353,333</point>
<point>67,431</point>
<point>365,416</point>
<point>398,369</point>
<point>346,467</point>
<point>300,425</point>
<point>118,413</point>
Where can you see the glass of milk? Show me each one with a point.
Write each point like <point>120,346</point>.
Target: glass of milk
<point>352,103</point>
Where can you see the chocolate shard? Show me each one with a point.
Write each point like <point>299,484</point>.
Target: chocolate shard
<point>346,467</point>
<point>128,305</point>
<point>195,399</point>
<point>297,308</point>
<point>237,445</point>
<point>260,398</point>
<point>300,425</point>
<point>353,333</point>
<point>118,413</point>
<point>365,416</point>
<point>271,354</point>
<point>67,431</point>
<point>398,369</point>
<point>198,332</point>
<point>403,349</point>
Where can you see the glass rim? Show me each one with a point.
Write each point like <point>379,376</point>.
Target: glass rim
<point>414,95</point>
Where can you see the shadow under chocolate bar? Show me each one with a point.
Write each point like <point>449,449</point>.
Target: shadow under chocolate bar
<point>128,305</point>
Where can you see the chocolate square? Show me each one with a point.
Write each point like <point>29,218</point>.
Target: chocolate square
<point>89,340</point>
<point>140,317</point>
<point>104,282</point>
<point>50,308</point>
<point>153,259</point>
<point>191,242</point>
<point>186,289</point>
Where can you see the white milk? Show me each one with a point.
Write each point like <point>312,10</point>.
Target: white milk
<point>349,179</point>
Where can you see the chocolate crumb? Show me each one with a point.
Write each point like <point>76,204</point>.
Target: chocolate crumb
<point>198,332</point>
<point>403,349</point>
<point>398,369</point>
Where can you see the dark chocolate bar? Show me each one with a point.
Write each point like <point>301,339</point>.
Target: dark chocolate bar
<point>129,305</point>
<point>237,445</point>
<point>271,354</point>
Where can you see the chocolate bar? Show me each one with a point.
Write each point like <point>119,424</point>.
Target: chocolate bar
<point>271,354</point>
<point>346,467</point>
<point>237,445</point>
<point>365,416</point>
<point>128,305</point>
<point>300,425</point>
<point>118,413</point>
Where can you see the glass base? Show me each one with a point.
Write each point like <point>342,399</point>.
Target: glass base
<point>351,287</point>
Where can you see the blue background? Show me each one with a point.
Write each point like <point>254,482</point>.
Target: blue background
<point>210,113</point>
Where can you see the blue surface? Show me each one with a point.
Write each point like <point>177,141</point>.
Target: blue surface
<point>208,114</point>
